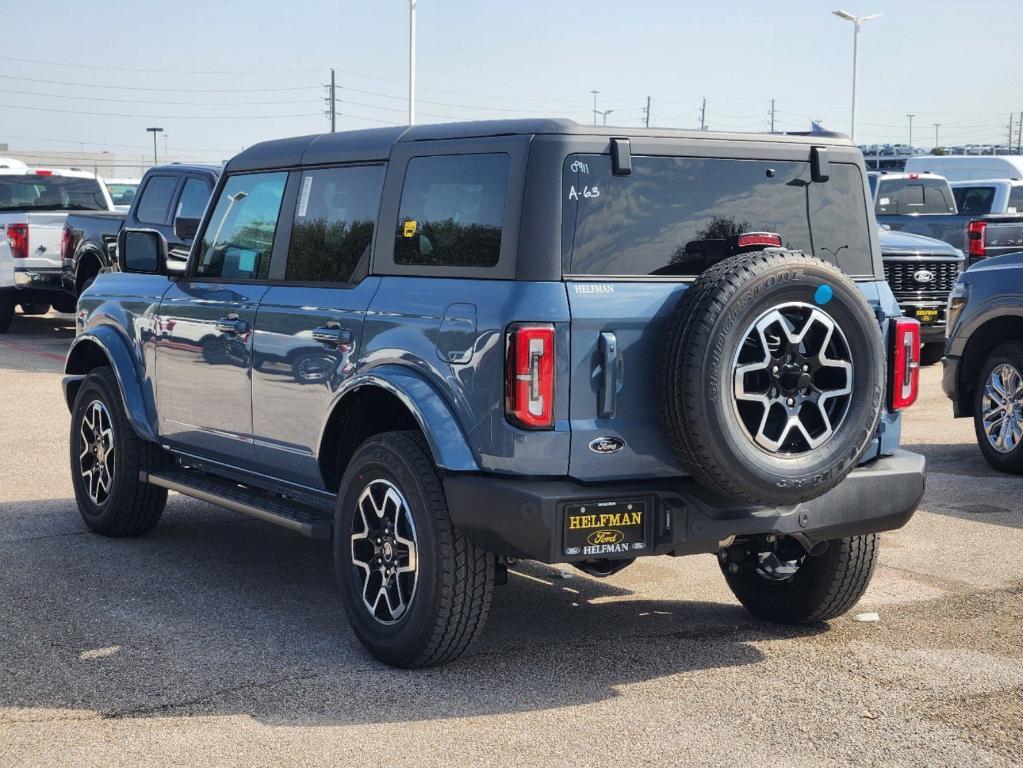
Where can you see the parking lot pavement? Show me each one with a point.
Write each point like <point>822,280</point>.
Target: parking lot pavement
<point>219,640</point>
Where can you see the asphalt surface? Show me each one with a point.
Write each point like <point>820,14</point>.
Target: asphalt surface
<point>219,640</point>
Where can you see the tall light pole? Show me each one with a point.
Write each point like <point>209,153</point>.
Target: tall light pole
<point>936,127</point>
<point>154,131</point>
<point>911,130</point>
<point>595,110</point>
<point>605,113</point>
<point>411,62</point>
<point>857,21</point>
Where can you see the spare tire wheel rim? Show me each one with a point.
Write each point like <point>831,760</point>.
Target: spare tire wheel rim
<point>792,379</point>
<point>385,551</point>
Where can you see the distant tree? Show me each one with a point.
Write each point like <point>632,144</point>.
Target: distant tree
<point>938,151</point>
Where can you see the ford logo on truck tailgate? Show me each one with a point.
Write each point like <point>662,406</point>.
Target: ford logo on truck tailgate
<point>607,444</point>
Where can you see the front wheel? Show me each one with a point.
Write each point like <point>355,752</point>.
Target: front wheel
<point>106,458</point>
<point>784,584</point>
<point>998,408</point>
<point>416,591</point>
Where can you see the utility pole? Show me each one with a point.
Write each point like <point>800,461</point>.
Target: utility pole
<point>411,62</point>
<point>936,127</point>
<point>333,103</point>
<point>646,117</point>
<point>772,115</point>
<point>595,106</point>
<point>703,115</point>
<point>1019,134</point>
<point>154,131</point>
<point>1009,143</point>
<point>911,130</point>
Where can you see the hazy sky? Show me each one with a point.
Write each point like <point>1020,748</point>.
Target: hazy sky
<point>220,75</point>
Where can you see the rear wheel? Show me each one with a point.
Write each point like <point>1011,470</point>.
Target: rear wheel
<point>998,408</point>
<point>106,458</point>
<point>780,582</point>
<point>6,312</point>
<point>931,353</point>
<point>35,309</point>
<point>416,591</point>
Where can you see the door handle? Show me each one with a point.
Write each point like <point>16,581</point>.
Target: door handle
<point>231,324</point>
<point>332,333</point>
<point>611,375</point>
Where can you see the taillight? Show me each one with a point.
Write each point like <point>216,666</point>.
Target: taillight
<point>17,236</point>
<point>65,243</point>
<point>759,238</point>
<point>529,371</point>
<point>41,172</point>
<point>905,373</point>
<point>975,239</point>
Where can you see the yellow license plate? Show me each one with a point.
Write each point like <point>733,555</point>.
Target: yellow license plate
<point>600,529</point>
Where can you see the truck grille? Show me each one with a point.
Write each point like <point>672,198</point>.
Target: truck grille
<point>901,276</point>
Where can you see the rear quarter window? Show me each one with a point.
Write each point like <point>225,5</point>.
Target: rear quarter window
<point>654,220</point>
<point>976,200</point>
<point>1015,203</point>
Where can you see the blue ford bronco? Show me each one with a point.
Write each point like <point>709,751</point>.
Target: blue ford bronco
<point>446,348</point>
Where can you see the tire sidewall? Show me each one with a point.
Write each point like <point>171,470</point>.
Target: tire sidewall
<point>410,635</point>
<point>96,388</point>
<point>820,468</point>
<point>1011,461</point>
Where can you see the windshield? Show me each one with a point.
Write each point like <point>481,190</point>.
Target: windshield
<point>50,193</point>
<point>659,219</point>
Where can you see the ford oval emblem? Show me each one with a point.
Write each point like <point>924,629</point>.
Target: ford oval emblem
<point>923,276</point>
<point>607,444</point>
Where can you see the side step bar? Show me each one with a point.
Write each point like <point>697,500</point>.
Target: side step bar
<point>271,508</point>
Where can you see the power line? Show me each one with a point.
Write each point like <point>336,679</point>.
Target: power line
<point>158,101</point>
<point>161,117</point>
<point>162,90</point>
<point>159,71</point>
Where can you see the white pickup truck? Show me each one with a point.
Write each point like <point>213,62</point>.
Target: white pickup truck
<point>33,205</point>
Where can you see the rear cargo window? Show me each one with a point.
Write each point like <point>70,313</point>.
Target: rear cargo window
<point>452,211</point>
<point>658,219</point>
<point>976,200</point>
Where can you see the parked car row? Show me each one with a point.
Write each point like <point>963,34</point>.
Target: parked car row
<point>61,227</point>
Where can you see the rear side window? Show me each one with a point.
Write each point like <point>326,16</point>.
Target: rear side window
<point>901,196</point>
<point>239,236</point>
<point>334,219</point>
<point>661,218</point>
<point>1015,204</point>
<point>156,199</point>
<point>976,200</point>
<point>452,210</point>
<point>194,196</point>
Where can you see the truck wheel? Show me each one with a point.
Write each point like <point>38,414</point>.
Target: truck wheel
<point>998,408</point>
<point>416,591</point>
<point>771,377</point>
<point>35,309</point>
<point>788,586</point>
<point>931,353</point>
<point>6,313</point>
<point>106,458</point>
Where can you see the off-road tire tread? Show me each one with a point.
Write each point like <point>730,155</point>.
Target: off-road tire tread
<point>693,319</point>
<point>141,504</point>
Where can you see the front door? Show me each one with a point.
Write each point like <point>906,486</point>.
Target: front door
<point>309,327</point>
<point>205,325</point>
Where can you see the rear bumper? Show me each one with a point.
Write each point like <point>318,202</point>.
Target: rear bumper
<point>525,518</point>
<point>38,279</point>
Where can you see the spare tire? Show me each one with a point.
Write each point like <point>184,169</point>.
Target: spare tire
<point>771,377</point>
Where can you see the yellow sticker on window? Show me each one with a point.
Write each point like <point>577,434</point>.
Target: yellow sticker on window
<point>410,228</point>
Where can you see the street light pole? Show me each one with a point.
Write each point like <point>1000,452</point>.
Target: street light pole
<point>936,127</point>
<point>857,21</point>
<point>154,131</point>
<point>595,110</point>
<point>911,130</point>
<point>411,62</point>
<point>604,114</point>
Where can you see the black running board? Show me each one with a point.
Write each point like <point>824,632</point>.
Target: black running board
<point>293,515</point>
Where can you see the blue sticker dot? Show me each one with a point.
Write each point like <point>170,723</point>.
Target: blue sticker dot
<point>823,294</point>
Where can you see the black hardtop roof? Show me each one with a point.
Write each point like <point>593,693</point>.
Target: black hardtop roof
<point>375,144</point>
<point>201,167</point>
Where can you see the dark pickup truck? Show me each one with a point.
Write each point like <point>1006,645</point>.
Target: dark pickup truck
<point>170,201</point>
<point>924,204</point>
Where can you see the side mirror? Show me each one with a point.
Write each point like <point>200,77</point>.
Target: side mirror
<point>142,251</point>
<point>186,228</point>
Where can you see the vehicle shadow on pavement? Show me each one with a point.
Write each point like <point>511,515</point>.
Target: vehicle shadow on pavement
<point>215,614</point>
<point>37,343</point>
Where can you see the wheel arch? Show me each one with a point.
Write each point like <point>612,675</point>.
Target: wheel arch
<point>104,346</point>
<point>982,341</point>
<point>391,398</point>
<point>86,258</point>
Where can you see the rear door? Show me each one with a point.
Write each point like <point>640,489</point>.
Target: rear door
<point>309,326</point>
<point>625,241</point>
<point>206,320</point>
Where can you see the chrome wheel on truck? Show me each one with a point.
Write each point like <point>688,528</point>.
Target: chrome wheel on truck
<point>998,407</point>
